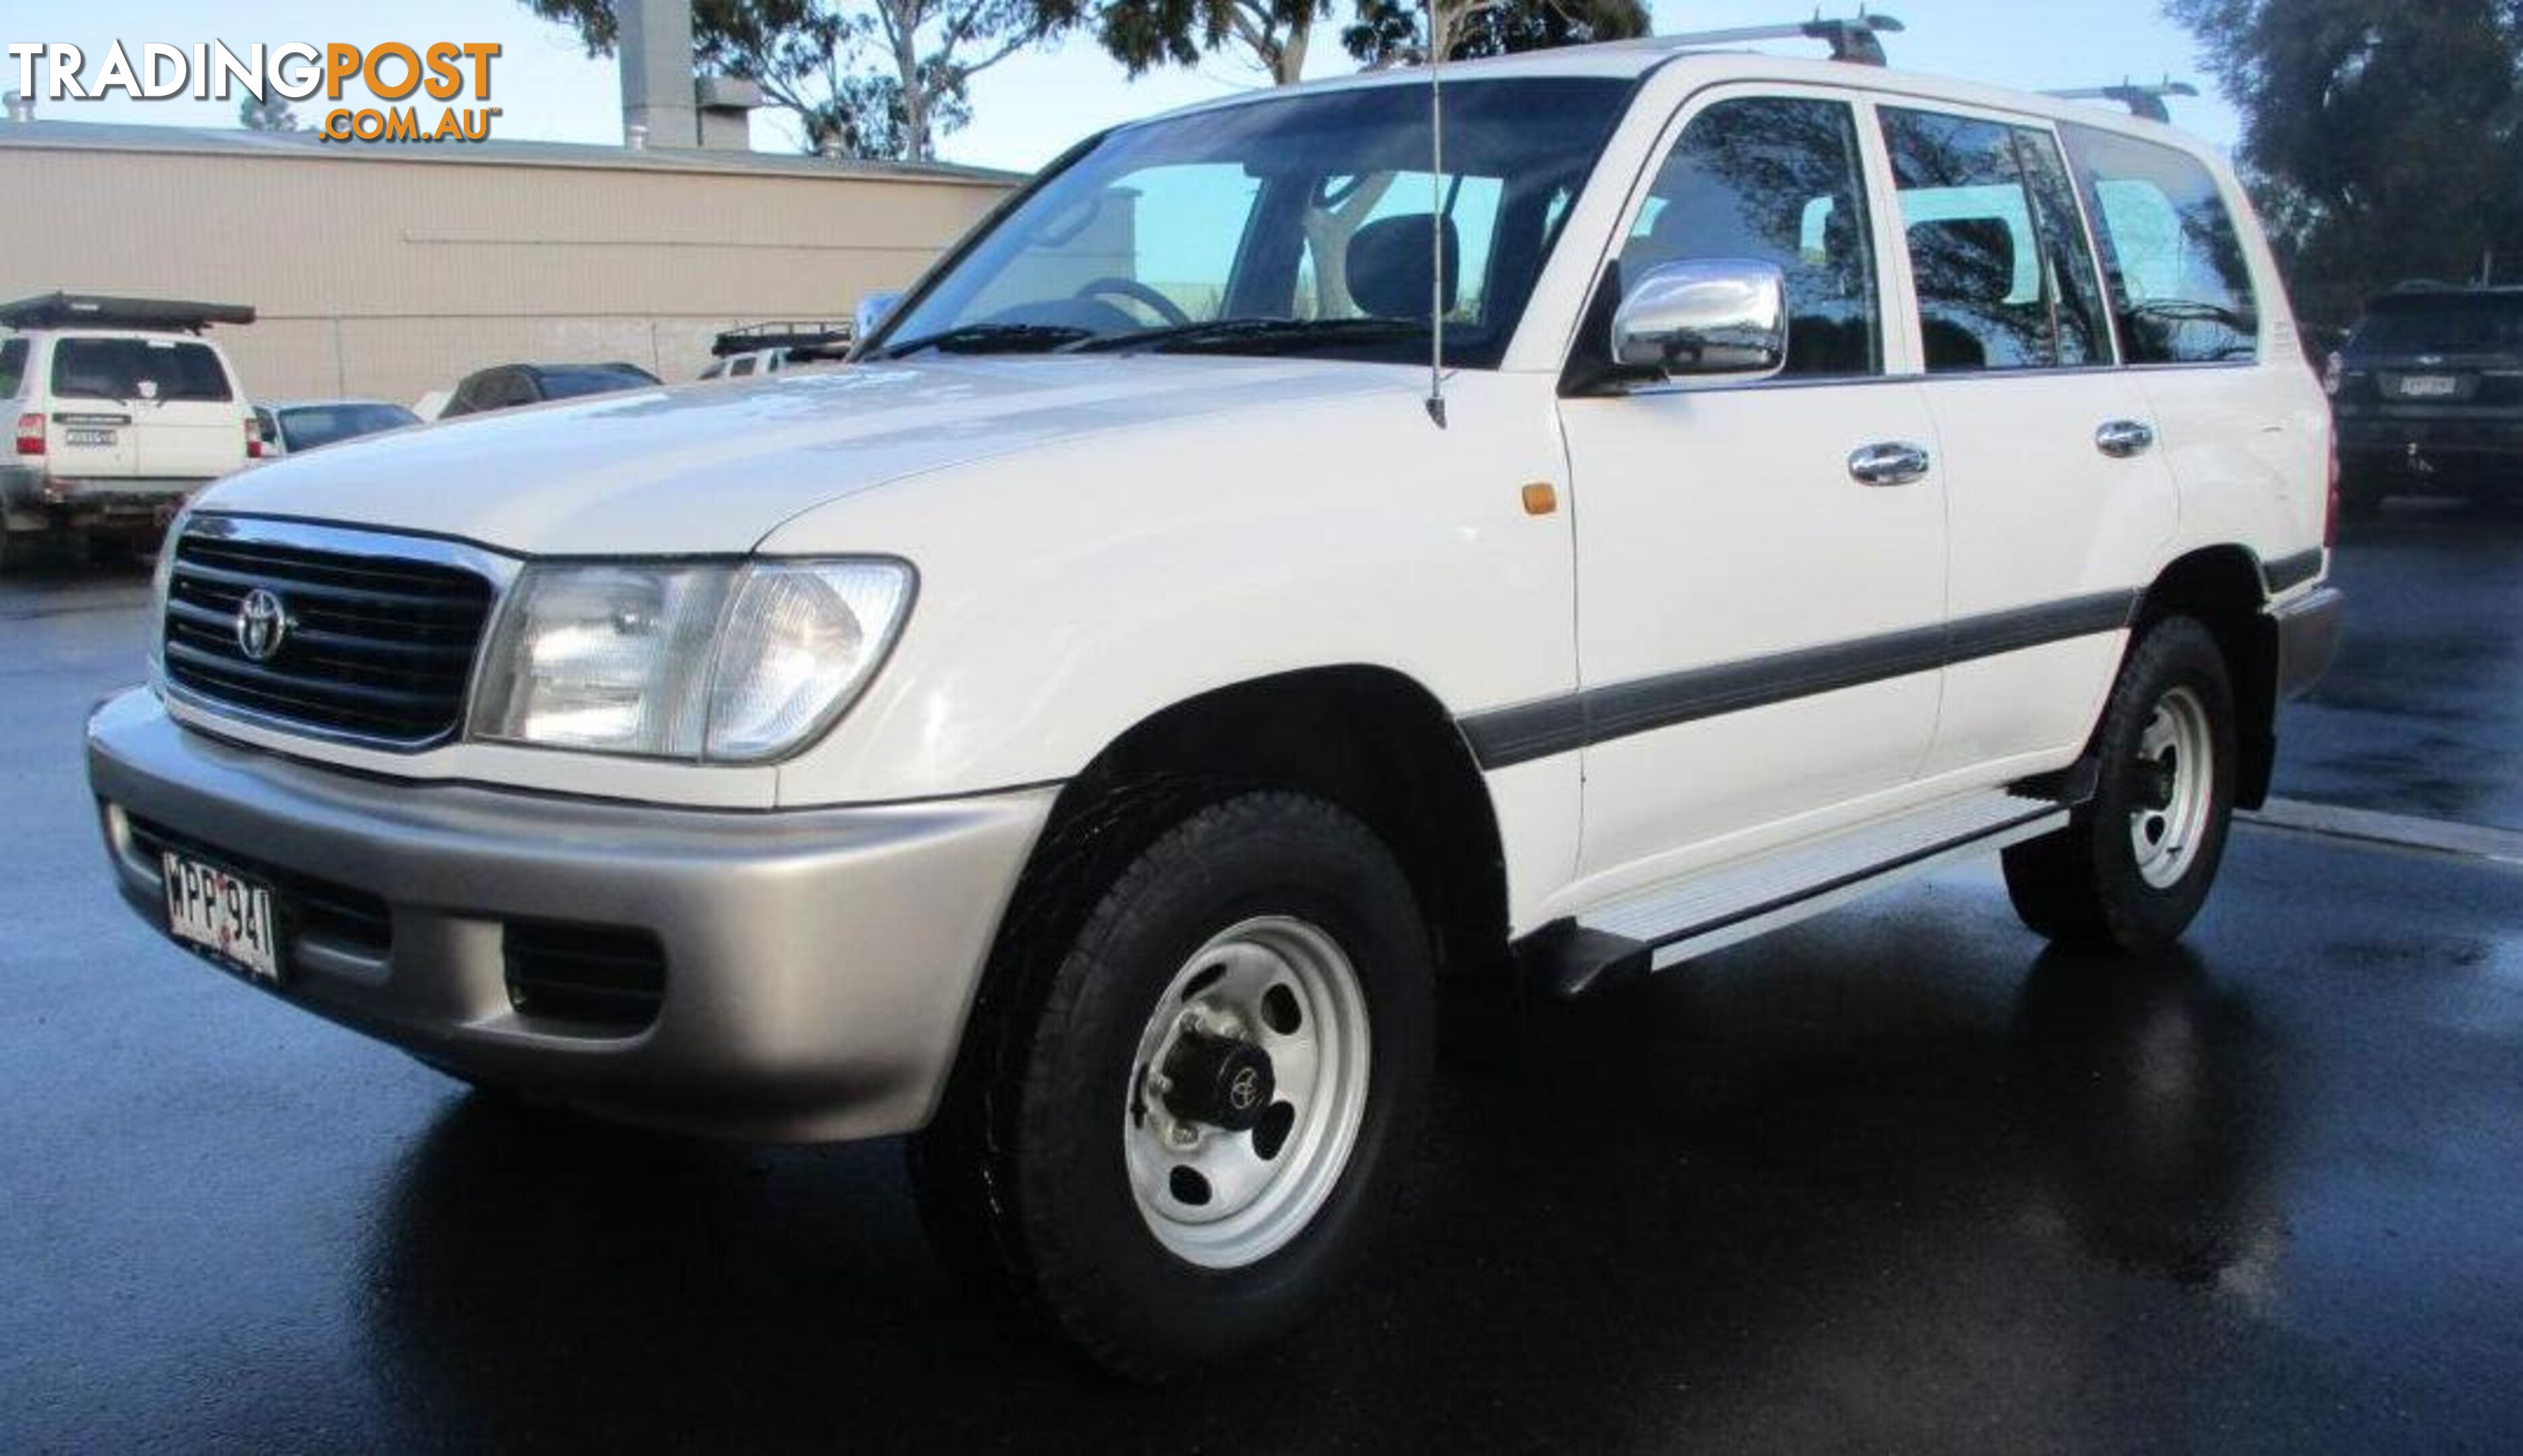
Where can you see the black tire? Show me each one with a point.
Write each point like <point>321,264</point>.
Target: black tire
<point>2083,886</point>
<point>1023,1176</point>
<point>19,549</point>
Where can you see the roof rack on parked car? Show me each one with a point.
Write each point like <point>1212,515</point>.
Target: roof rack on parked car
<point>53,310</point>
<point>2142,101</point>
<point>1854,39</point>
<point>808,336</point>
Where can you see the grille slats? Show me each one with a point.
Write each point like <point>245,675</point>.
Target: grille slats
<point>377,647</point>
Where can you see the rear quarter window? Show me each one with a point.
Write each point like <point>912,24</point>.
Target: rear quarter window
<point>2182,292</point>
<point>163,369</point>
<point>12,368</point>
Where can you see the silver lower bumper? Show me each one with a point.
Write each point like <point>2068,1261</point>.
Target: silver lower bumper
<point>819,964</point>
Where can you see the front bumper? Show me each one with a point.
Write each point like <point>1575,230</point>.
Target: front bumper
<point>2308,639</point>
<point>820,965</point>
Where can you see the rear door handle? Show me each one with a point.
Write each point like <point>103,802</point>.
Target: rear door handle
<point>2123,440</point>
<point>1890,465</point>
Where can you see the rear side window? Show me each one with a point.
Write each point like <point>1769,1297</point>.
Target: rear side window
<point>12,368</point>
<point>1775,180</point>
<point>2180,289</point>
<point>1997,250</point>
<point>161,370</point>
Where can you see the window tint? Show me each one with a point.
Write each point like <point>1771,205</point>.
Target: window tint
<point>161,370</point>
<point>2179,286</point>
<point>311,425</point>
<point>1778,181</point>
<point>2436,323</point>
<point>1997,250</point>
<point>571,384</point>
<point>12,368</point>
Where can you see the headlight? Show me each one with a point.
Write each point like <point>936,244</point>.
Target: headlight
<point>730,662</point>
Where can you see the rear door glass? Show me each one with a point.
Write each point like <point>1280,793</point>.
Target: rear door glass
<point>2004,277</point>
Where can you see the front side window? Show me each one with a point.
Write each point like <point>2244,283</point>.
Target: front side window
<point>161,370</point>
<point>1997,250</point>
<point>2180,288</point>
<point>1307,223</point>
<point>1775,180</point>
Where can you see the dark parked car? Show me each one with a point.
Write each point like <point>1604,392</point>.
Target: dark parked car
<point>2429,396</point>
<point>507,386</point>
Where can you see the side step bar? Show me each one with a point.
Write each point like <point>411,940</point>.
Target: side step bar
<point>1669,923</point>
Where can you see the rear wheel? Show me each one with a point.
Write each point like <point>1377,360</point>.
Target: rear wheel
<point>2134,865</point>
<point>19,549</point>
<point>1171,1145</point>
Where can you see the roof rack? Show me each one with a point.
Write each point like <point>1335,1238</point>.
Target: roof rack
<point>806,335</point>
<point>54,310</point>
<point>2145,102</point>
<point>1855,39</point>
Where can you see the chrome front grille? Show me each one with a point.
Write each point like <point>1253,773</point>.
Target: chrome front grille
<point>347,633</point>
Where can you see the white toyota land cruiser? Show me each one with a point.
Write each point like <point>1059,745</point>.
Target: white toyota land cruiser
<point>1087,732</point>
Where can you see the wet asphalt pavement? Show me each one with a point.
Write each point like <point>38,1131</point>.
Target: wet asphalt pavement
<point>1895,1180</point>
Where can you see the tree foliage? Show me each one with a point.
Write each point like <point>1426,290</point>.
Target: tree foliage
<point>269,115</point>
<point>864,77</point>
<point>1143,34</point>
<point>1390,33</point>
<point>2384,137</point>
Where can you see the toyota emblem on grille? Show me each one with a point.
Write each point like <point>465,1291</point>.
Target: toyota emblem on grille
<point>262,624</point>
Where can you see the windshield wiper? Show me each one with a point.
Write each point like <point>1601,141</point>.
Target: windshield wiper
<point>1267,334</point>
<point>991,338</point>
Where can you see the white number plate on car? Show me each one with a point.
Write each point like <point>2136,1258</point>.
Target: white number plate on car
<point>2429,386</point>
<point>221,915</point>
<point>87,436</point>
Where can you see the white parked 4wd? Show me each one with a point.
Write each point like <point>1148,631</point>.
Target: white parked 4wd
<point>1086,733</point>
<point>122,414</point>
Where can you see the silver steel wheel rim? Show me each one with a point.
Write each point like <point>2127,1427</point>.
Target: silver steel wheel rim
<point>1286,986</point>
<point>2179,749</point>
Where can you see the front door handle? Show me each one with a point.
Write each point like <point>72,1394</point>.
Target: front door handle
<point>1893,464</point>
<point>2123,440</point>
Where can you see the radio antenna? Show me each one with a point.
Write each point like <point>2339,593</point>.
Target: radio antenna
<point>1436,219</point>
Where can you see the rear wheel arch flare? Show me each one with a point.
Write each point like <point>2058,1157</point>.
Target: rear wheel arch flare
<point>2225,589</point>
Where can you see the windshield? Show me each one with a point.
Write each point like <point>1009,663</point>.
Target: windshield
<point>2487,324</point>
<point>1300,223</point>
<point>311,425</point>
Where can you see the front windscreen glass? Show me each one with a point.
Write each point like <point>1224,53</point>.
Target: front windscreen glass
<point>1305,224</point>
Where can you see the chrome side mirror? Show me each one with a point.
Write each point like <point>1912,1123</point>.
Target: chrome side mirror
<point>871,311</point>
<point>1718,318</point>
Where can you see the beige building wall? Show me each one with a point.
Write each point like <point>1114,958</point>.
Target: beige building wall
<point>391,272</point>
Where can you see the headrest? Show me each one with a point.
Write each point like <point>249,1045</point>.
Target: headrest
<point>1389,261</point>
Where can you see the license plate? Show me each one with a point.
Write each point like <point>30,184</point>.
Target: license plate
<point>223,914</point>
<point>88,437</point>
<point>2429,386</point>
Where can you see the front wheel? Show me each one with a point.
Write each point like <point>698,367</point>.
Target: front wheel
<point>2134,865</point>
<point>1184,1132</point>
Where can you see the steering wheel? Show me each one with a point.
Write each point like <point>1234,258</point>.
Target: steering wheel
<point>1138,293</point>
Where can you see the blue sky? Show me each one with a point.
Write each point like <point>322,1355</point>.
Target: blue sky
<point>1031,106</point>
